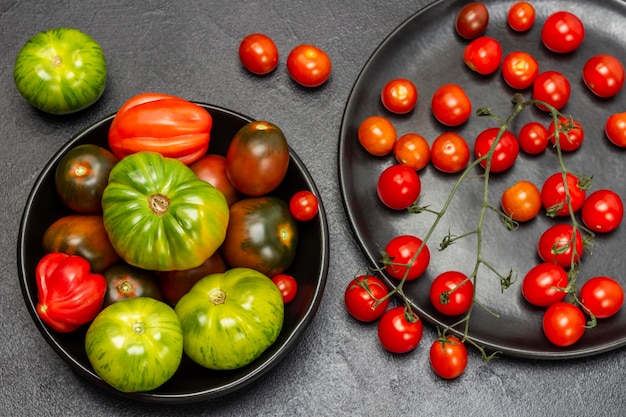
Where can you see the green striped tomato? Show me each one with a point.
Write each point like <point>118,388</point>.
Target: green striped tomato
<point>160,216</point>
<point>135,344</point>
<point>229,319</point>
<point>61,71</point>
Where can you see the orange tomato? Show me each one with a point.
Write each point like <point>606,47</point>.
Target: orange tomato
<point>412,150</point>
<point>377,135</point>
<point>521,201</point>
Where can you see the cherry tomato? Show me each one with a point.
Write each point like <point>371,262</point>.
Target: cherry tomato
<point>362,293</point>
<point>556,245</point>
<point>377,135</point>
<point>521,16</point>
<point>400,330</point>
<point>483,55</point>
<point>258,53</point>
<point>615,129</point>
<point>603,211</point>
<point>545,284</point>
<point>505,152</point>
<point>448,357</point>
<point>472,20</point>
<point>399,96</point>
<point>568,141</point>
<point>563,324</point>
<point>303,205</point>
<point>604,75</point>
<point>553,88</point>
<point>521,201</point>
<point>450,105</point>
<point>519,70</point>
<point>412,150</point>
<point>603,296</point>
<point>400,250</point>
<point>449,152</point>
<point>451,293</point>
<point>553,196</point>
<point>309,65</point>
<point>562,32</point>
<point>398,186</point>
<point>533,138</point>
<point>287,285</point>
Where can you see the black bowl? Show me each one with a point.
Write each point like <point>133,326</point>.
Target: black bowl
<point>191,382</point>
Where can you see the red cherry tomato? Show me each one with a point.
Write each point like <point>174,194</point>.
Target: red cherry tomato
<point>258,53</point>
<point>505,152</point>
<point>604,75</point>
<point>451,293</point>
<point>519,70</point>
<point>398,186</point>
<point>400,330</point>
<point>362,294</point>
<point>472,20</point>
<point>568,141</point>
<point>303,205</point>
<point>448,357</point>
<point>287,285</point>
<point>399,96</point>
<point>553,195</point>
<point>545,284</point>
<point>521,16</point>
<point>450,152</point>
<point>450,105</point>
<point>603,296</point>
<point>533,138</point>
<point>553,88</point>
<point>483,55</point>
<point>521,201</point>
<point>377,135</point>
<point>563,324</point>
<point>556,245</point>
<point>615,129</point>
<point>309,65</point>
<point>412,150</point>
<point>603,211</point>
<point>562,32</point>
<point>400,250</point>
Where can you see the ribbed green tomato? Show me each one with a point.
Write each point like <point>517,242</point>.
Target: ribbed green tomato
<point>230,319</point>
<point>61,71</point>
<point>159,216</point>
<point>135,344</point>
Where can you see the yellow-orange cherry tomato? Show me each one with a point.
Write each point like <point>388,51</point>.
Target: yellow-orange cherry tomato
<point>521,201</point>
<point>377,135</point>
<point>412,150</point>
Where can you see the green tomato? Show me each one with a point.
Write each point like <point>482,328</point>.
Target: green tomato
<point>160,216</point>
<point>229,319</point>
<point>135,344</point>
<point>61,71</point>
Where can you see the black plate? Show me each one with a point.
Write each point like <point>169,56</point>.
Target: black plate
<point>427,50</point>
<point>191,382</point>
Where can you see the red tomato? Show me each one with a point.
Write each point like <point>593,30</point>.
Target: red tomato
<point>399,96</point>
<point>451,293</point>
<point>505,152</point>
<point>533,138</point>
<point>450,152</point>
<point>377,135</point>
<point>483,55</point>
<point>472,20</point>
<point>361,296</point>
<point>521,16</point>
<point>544,284</point>
<point>398,186</point>
<point>287,285</point>
<point>603,296</point>
<point>521,201</point>
<point>562,32</point>
<point>212,169</point>
<point>412,150</point>
<point>604,75</point>
<point>303,205</point>
<point>309,65</point>
<point>258,53</point>
<point>450,105</point>
<point>563,324</point>
<point>603,211</point>
<point>448,357</point>
<point>553,88</point>
<point>568,141</point>
<point>556,245</point>
<point>553,195</point>
<point>400,330</point>
<point>615,129</point>
<point>519,70</point>
<point>400,251</point>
